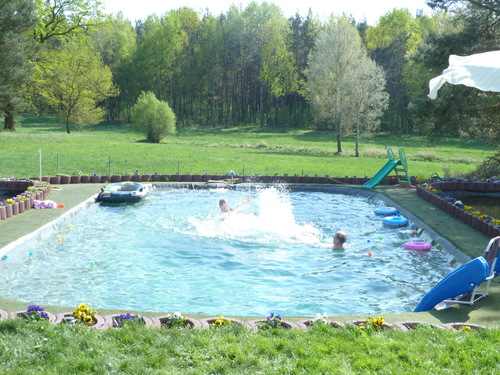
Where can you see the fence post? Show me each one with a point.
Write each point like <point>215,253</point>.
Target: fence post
<point>109,165</point>
<point>57,164</point>
<point>178,167</point>
<point>40,152</point>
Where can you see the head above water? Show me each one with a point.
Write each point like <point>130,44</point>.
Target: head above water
<point>339,238</point>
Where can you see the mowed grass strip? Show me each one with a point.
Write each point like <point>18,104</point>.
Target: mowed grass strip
<point>117,149</point>
<point>34,348</point>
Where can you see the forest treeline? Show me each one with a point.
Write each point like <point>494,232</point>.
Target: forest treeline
<point>249,66</point>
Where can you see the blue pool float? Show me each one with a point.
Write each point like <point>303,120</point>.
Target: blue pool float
<point>395,221</point>
<point>385,211</point>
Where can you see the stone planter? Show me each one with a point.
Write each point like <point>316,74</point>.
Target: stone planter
<point>210,322</point>
<point>20,314</point>
<point>161,321</point>
<point>412,325</point>
<point>116,178</point>
<point>126,177</point>
<point>55,180</point>
<point>463,326</point>
<point>146,177</point>
<point>8,211</point>
<point>4,315</point>
<point>111,321</point>
<point>98,321</point>
<point>21,206</point>
<point>136,178</point>
<point>186,178</point>
<point>65,179</point>
<point>255,325</point>
<point>384,327</point>
<point>95,179</point>
<point>3,212</point>
<point>15,208</point>
<point>309,324</point>
<point>28,203</point>
<point>84,179</point>
<point>76,179</point>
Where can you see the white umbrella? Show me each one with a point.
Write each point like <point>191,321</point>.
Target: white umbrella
<point>481,71</point>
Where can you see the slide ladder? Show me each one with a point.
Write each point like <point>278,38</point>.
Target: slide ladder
<point>402,169</point>
<point>400,166</point>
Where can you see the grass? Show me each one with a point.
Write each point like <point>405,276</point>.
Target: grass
<point>43,348</point>
<point>34,348</point>
<point>117,149</point>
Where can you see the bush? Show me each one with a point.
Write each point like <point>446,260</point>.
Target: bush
<point>152,117</point>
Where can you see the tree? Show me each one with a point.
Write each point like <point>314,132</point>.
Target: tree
<point>467,28</point>
<point>16,20</point>
<point>345,86</point>
<point>153,117</point>
<point>63,18</point>
<point>74,81</point>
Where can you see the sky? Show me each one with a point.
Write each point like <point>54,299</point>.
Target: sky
<point>369,9</point>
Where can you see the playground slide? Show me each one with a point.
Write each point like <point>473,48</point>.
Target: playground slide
<point>383,173</point>
<point>460,281</point>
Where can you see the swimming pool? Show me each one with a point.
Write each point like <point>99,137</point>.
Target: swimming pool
<point>173,253</point>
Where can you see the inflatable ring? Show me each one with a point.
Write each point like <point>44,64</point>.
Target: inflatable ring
<point>395,221</point>
<point>385,211</point>
<point>417,245</point>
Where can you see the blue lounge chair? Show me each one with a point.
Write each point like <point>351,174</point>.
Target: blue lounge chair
<point>462,285</point>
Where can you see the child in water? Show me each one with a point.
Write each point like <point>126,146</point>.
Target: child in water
<point>339,239</point>
<point>225,209</point>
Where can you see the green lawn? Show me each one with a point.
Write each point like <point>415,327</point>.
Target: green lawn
<point>42,348</point>
<point>117,149</point>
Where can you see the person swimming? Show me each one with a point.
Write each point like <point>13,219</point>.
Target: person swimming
<point>225,209</point>
<point>339,238</point>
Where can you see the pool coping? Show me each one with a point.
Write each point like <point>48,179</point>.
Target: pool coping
<point>444,316</point>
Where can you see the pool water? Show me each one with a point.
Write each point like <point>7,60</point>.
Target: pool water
<point>174,253</point>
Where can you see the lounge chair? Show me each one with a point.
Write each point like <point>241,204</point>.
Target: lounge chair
<point>491,257</point>
<point>463,284</point>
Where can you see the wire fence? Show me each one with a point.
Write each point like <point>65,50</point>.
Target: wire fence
<point>54,165</point>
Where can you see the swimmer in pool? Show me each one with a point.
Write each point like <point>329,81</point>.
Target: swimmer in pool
<point>224,206</point>
<point>339,239</point>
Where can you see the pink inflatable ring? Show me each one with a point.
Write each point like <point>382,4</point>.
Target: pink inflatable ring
<point>417,245</point>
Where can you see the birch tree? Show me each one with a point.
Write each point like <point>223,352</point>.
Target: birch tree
<point>346,88</point>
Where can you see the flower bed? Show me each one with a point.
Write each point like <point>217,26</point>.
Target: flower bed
<point>176,320</point>
<point>32,190</point>
<point>121,320</point>
<point>436,195</point>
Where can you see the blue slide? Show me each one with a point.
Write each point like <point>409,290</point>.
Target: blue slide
<point>460,281</point>
<point>381,174</point>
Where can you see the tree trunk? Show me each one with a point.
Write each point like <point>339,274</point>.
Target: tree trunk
<point>339,143</point>
<point>357,141</point>
<point>261,105</point>
<point>67,125</point>
<point>9,118</point>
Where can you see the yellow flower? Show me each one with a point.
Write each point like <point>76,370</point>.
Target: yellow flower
<point>218,322</point>
<point>466,329</point>
<point>467,208</point>
<point>379,322</point>
<point>10,201</point>
<point>87,319</point>
<point>82,307</point>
